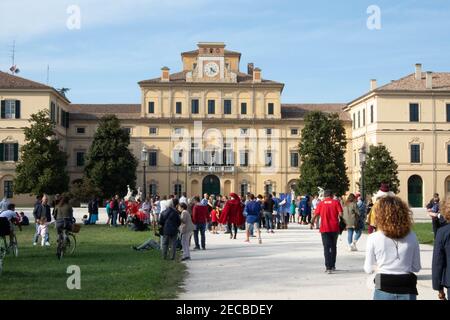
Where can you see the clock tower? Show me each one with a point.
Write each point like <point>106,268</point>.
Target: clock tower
<point>211,61</point>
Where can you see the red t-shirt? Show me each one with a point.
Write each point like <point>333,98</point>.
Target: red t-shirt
<point>214,216</point>
<point>329,210</point>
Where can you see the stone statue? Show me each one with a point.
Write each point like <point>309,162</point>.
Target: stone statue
<point>139,195</point>
<point>321,193</point>
<point>129,194</point>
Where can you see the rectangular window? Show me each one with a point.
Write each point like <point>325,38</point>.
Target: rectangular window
<point>178,107</point>
<point>244,108</point>
<point>127,130</point>
<point>81,130</point>
<point>151,107</point>
<point>371,114</point>
<point>8,189</point>
<point>364,118</point>
<point>57,114</point>
<point>243,158</point>
<point>244,131</point>
<point>448,153</point>
<point>80,158</point>
<point>415,153</point>
<point>270,108</point>
<point>227,106</point>
<point>152,189</point>
<point>8,109</point>
<point>177,131</point>
<point>9,151</point>
<point>211,106</point>
<point>152,131</point>
<point>354,121</point>
<point>177,189</point>
<point>448,111</point>
<point>53,112</point>
<point>268,131</point>
<point>152,158</point>
<point>359,119</point>
<point>414,112</point>
<point>294,132</point>
<point>294,159</point>
<point>244,189</point>
<point>268,159</point>
<point>194,106</point>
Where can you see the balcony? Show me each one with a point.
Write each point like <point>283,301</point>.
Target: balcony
<point>211,169</point>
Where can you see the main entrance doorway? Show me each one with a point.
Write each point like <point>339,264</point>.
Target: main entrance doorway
<point>415,191</point>
<point>211,185</point>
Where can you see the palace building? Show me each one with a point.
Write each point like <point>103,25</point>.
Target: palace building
<point>214,128</point>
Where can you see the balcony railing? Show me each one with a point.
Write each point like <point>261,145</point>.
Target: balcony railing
<point>210,169</point>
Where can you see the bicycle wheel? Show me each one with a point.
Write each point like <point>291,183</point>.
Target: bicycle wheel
<point>15,247</point>
<point>3,251</point>
<point>71,244</point>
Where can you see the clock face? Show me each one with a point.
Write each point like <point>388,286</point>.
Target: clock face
<point>211,69</point>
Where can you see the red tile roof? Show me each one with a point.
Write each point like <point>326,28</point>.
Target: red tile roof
<point>299,111</point>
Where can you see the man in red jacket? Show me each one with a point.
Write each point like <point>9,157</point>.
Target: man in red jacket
<point>329,211</point>
<point>200,217</point>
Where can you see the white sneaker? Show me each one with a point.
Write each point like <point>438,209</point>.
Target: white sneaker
<point>350,247</point>
<point>47,244</point>
<point>34,243</point>
<point>354,247</point>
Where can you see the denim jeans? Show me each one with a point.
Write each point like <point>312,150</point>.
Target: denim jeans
<point>329,241</point>
<point>382,295</point>
<point>250,228</point>
<point>200,227</point>
<point>170,241</point>
<point>269,222</point>
<point>36,235</point>
<point>114,218</point>
<point>350,232</point>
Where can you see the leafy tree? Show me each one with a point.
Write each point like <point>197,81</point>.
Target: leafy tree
<point>83,190</point>
<point>110,165</point>
<point>322,154</point>
<point>380,167</point>
<point>42,165</point>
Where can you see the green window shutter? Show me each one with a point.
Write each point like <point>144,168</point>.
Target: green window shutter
<point>17,109</point>
<point>2,152</point>
<point>67,119</point>
<point>3,109</point>
<point>16,152</point>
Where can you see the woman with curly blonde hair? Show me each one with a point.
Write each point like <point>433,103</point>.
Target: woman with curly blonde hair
<point>394,250</point>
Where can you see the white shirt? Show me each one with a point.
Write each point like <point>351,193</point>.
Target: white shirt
<point>183,199</point>
<point>8,214</point>
<point>163,205</point>
<point>392,256</point>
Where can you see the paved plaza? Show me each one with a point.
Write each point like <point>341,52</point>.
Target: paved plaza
<point>289,264</point>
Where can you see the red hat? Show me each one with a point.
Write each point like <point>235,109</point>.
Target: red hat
<point>384,187</point>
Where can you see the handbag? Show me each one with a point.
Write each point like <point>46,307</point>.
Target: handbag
<point>342,225</point>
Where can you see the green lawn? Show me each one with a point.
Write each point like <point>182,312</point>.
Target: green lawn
<point>424,232</point>
<point>110,269</point>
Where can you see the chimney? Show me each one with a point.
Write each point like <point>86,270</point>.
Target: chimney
<point>429,80</point>
<point>250,68</point>
<point>257,75</point>
<point>418,71</point>
<point>165,74</point>
<point>373,84</point>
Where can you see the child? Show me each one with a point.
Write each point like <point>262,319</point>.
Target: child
<point>24,219</point>
<point>85,220</point>
<point>214,219</point>
<point>292,211</point>
<point>42,230</point>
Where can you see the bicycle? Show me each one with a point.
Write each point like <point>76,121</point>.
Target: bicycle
<point>67,242</point>
<point>6,249</point>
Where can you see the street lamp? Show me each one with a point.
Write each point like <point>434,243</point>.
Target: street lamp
<point>144,158</point>
<point>362,162</point>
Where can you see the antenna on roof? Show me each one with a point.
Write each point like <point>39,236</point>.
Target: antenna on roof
<point>13,69</point>
<point>48,73</point>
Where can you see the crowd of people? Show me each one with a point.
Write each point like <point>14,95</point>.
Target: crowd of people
<point>392,249</point>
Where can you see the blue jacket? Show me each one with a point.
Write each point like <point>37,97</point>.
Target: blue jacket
<point>305,208</point>
<point>253,209</point>
<point>441,259</point>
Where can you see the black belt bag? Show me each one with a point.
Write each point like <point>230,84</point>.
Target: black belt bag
<point>397,283</point>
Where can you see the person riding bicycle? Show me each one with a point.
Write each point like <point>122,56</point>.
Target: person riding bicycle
<point>12,218</point>
<point>63,215</point>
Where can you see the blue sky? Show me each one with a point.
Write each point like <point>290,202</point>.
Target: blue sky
<point>322,50</point>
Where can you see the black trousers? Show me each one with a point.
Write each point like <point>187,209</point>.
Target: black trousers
<point>329,241</point>
<point>232,227</point>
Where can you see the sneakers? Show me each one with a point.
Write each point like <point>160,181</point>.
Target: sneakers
<point>34,243</point>
<point>330,271</point>
<point>197,248</point>
<point>350,247</point>
<point>354,248</point>
<point>186,258</point>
